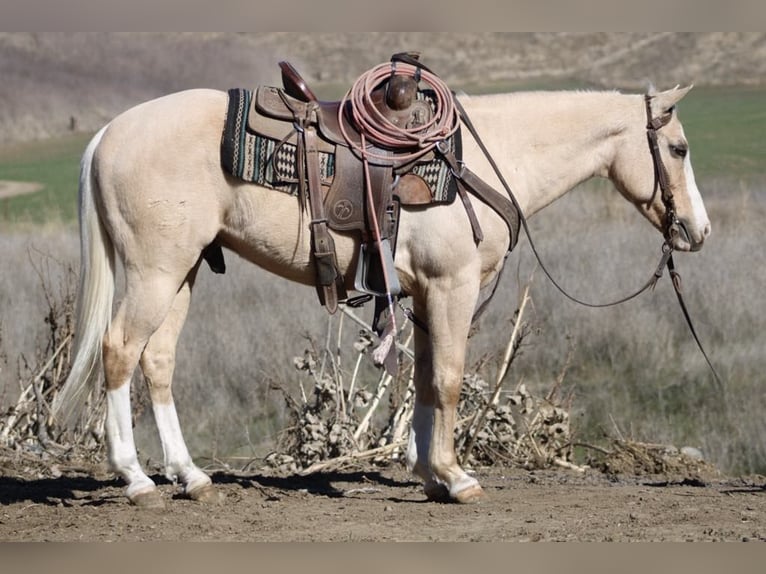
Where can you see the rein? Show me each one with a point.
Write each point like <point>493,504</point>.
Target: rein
<point>672,224</point>
<point>651,282</point>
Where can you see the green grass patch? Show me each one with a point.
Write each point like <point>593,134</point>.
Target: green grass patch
<point>55,165</point>
<point>725,128</point>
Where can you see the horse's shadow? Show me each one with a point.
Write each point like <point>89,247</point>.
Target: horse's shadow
<point>61,491</point>
<point>320,484</point>
<point>89,491</point>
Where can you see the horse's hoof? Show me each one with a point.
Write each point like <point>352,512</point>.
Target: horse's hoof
<point>149,499</point>
<point>470,495</point>
<point>206,494</point>
<point>436,492</point>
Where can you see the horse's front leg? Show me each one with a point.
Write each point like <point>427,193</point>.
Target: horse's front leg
<point>439,364</point>
<point>421,428</point>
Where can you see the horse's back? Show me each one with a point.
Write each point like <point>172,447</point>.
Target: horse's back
<point>173,118</point>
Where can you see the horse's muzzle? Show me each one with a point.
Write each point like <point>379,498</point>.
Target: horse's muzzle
<point>682,239</point>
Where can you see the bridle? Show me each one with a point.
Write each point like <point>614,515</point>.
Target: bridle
<point>672,226</point>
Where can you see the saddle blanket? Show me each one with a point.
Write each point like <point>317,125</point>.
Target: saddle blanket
<point>272,163</point>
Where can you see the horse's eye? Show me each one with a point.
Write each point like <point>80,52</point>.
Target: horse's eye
<point>679,150</point>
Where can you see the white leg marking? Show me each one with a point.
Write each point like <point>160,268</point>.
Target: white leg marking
<point>120,444</point>
<point>178,463</point>
<point>420,441</point>
<point>417,457</point>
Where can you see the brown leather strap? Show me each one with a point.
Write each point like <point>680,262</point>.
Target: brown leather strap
<point>501,204</point>
<point>679,295</point>
<point>329,279</point>
<point>449,157</point>
<point>478,234</point>
<point>485,192</point>
<point>660,171</point>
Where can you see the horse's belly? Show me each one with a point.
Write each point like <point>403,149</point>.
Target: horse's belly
<point>267,228</point>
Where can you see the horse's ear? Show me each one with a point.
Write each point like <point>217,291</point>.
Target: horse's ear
<point>665,101</point>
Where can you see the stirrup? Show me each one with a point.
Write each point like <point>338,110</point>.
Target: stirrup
<point>371,261</point>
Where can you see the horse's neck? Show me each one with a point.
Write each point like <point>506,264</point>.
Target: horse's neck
<point>546,143</point>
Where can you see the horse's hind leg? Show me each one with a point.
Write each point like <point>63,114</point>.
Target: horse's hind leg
<point>157,364</point>
<point>148,300</point>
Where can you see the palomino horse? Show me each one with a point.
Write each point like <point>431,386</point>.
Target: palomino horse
<point>152,192</point>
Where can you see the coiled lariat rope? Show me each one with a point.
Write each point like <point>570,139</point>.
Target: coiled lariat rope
<point>376,129</point>
<point>408,143</point>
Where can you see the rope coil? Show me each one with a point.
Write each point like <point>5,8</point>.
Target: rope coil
<point>378,130</point>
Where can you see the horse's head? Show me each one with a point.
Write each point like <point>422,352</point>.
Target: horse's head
<point>653,170</point>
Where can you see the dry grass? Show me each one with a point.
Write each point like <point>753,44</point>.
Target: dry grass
<point>635,366</point>
<point>338,420</point>
<point>26,426</point>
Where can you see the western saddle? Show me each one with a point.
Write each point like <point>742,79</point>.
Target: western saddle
<point>364,193</point>
<point>293,114</point>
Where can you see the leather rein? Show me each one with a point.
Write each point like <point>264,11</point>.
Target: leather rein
<point>672,224</point>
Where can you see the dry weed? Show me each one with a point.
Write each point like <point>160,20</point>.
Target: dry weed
<point>334,426</point>
<point>27,430</point>
<point>629,457</point>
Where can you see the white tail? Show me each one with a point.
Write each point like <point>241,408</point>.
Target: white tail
<point>94,297</point>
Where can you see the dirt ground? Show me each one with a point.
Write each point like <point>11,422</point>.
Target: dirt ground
<point>375,503</point>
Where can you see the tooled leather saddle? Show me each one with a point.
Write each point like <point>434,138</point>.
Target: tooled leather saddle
<point>329,175</point>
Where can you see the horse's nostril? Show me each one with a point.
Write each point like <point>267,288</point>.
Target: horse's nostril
<point>706,231</point>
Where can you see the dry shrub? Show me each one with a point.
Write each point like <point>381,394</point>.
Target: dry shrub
<point>335,425</point>
<point>322,424</point>
<point>28,434</point>
<point>332,420</point>
<point>524,430</point>
<point>633,458</point>
<point>324,432</point>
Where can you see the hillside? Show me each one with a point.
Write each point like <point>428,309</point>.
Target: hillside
<point>55,82</point>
